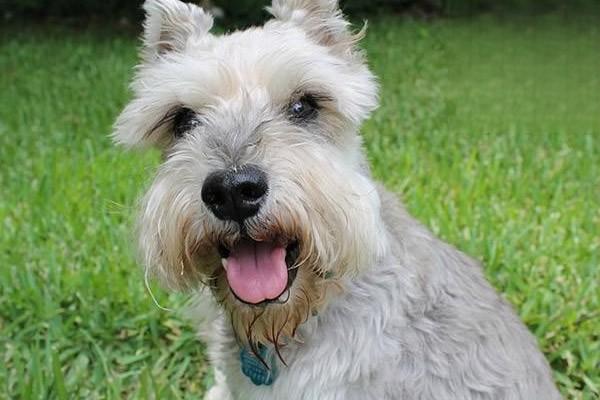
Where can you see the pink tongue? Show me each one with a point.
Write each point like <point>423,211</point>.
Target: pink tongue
<point>256,271</point>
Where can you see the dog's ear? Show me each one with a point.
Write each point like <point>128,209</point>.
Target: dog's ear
<point>170,24</point>
<point>322,20</point>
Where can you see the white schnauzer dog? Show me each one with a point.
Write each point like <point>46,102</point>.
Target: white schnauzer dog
<point>320,285</point>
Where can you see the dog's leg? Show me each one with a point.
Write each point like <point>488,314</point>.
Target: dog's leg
<point>219,391</point>
<point>214,331</point>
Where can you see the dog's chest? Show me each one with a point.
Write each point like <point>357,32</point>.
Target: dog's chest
<point>336,349</point>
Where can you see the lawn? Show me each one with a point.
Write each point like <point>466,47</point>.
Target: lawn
<point>489,128</point>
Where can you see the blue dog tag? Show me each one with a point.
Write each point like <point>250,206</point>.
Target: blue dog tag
<point>254,369</point>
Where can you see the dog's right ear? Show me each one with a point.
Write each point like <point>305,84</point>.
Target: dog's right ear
<point>170,24</point>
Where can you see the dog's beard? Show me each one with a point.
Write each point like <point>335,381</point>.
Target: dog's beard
<point>188,252</point>
<point>274,322</point>
<point>337,236</point>
<point>273,319</point>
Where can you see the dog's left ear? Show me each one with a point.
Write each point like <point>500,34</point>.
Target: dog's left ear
<point>322,20</point>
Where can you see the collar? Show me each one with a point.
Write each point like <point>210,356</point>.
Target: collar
<point>260,372</point>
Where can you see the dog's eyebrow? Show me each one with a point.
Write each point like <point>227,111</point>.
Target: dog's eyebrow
<point>317,94</point>
<point>308,87</point>
<point>167,118</point>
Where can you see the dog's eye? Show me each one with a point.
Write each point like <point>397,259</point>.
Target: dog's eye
<point>184,121</point>
<point>304,109</point>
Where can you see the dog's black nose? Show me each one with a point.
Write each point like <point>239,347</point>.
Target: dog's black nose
<point>235,194</point>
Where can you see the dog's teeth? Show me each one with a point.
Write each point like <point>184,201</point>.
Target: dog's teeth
<point>224,263</point>
<point>284,296</point>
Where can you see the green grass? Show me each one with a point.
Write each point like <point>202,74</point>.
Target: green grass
<point>489,128</point>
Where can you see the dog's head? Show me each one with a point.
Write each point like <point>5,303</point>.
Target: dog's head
<point>263,194</point>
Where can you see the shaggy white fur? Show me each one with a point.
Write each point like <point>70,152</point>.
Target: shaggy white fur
<point>380,308</point>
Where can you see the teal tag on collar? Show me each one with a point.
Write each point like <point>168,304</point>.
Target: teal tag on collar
<point>255,369</point>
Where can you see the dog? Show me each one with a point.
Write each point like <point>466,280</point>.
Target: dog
<point>312,280</point>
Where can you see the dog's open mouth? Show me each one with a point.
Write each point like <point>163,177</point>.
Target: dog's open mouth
<point>259,273</point>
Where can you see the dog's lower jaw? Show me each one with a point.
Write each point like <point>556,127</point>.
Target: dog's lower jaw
<point>423,323</point>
